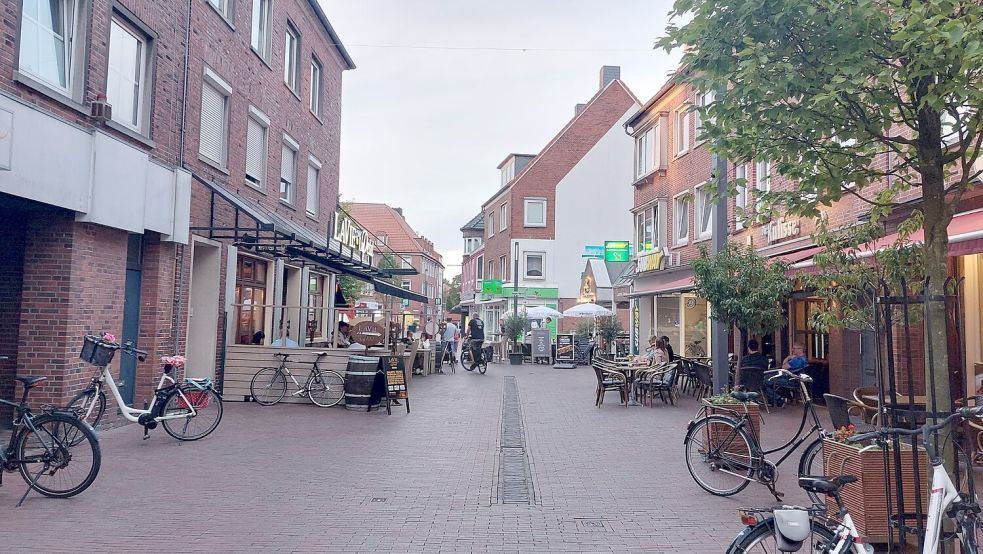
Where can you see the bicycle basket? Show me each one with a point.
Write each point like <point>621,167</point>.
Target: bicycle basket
<point>98,352</point>
<point>198,399</point>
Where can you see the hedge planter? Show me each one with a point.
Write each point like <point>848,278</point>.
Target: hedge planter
<point>515,358</point>
<point>866,499</point>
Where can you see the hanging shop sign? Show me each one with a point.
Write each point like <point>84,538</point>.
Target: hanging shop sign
<point>367,333</point>
<point>635,326</point>
<point>588,289</point>
<point>617,251</point>
<point>491,286</point>
<point>656,261</point>
<point>595,251</point>
<point>780,229</point>
<point>348,232</point>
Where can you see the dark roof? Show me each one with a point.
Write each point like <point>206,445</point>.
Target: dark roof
<point>316,6</point>
<point>477,223</point>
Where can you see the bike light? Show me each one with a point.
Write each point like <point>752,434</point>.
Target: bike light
<point>747,518</point>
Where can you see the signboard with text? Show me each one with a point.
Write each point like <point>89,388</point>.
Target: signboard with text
<point>394,370</point>
<point>348,232</point>
<point>542,346</point>
<point>565,348</point>
<point>656,261</point>
<point>617,251</point>
<point>594,251</point>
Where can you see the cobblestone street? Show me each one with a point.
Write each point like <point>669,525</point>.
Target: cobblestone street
<point>302,479</point>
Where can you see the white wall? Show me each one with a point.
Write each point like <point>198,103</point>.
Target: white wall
<point>536,245</point>
<point>105,180</point>
<point>592,204</point>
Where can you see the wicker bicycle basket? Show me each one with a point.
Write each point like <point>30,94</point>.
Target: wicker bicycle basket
<point>97,351</point>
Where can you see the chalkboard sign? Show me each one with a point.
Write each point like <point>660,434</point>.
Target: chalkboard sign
<point>541,343</point>
<point>565,348</point>
<point>394,370</point>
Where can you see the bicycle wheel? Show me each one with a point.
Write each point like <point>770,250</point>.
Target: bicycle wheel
<point>60,457</point>
<point>326,388</point>
<point>89,405</point>
<point>761,539</point>
<point>812,463</point>
<point>719,455</point>
<point>268,386</point>
<point>208,413</point>
<point>483,366</point>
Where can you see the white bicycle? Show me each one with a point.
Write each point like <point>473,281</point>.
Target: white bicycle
<point>188,411</point>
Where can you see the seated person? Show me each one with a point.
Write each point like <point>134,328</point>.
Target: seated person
<point>344,340</point>
<point>794,362</point>
<point>754,357</point>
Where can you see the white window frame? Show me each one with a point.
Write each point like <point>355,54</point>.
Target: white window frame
<point>542,265</point>
<point>145,68</point>
<point>703,99</point>
<point>503,266</point>
<point>261,30</point>
<point>73,47</point>
<point>405,263</point>
<point>213,80</point>
<point>317,84</point>
<point>651,214</point>
<point>681,199</point>
<point>503,216</point>
<point>290,144</point>
<point>508,172</point>
<point>479,274</point>
<point>681,130</point>
<point>406,284</point>
<point>490,224</point>
<point>261,119</point>
<point>647,151</point>
<point>762,182</point>
<point>313,197</point>
<point>702,204</point>
<point>291,58</point>
<point>740,201</point>
<point>525,211</point>
<point>223,7</point>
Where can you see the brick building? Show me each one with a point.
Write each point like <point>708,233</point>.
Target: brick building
<point>409,251</point>
<point>551,205</point>
<point>673,215</point>
<point>473,262</point>
<point>92,228</point>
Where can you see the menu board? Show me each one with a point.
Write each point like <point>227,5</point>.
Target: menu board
<point>541,343</point>
<point>395,372</point>
<point>565,348</point>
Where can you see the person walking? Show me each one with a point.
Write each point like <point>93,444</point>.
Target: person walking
<point>449,345</point>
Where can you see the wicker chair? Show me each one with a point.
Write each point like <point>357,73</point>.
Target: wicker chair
<point>608,380</point>
<point>867,407</point>
<point>661,380</point>
<point>840,413</point>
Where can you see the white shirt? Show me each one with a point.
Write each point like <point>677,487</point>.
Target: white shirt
<point>449,332</point>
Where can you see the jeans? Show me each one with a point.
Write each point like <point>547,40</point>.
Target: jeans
<point>477,354</point>
<point>449,347</point>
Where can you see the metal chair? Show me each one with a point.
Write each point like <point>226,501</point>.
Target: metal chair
<point>751,378</point>
<point>704,379</point>
<point>839,412</point>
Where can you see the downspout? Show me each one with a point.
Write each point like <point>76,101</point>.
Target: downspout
<point>179,274</point>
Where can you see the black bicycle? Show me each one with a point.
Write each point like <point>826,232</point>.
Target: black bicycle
<point>475,355</point>
<point>56,453</point>
<point>724,455</point>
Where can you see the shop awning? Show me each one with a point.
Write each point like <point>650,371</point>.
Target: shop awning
<point>672,287</point>
<point>399,292</point>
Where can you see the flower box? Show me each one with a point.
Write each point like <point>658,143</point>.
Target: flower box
<point>867,499</point>
<point>729,408</point>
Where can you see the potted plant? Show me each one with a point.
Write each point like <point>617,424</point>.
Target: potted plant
<point>866,498</point>
<point>513,327</point>
<point>725,404</point>
<point>608,329</point>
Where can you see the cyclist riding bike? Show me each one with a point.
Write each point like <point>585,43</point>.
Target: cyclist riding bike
<point>476,336</point>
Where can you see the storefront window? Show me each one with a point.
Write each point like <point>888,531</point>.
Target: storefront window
<point>250,299</point>
<point>803,332</point>
<point>315,299</point>
<point>696,336</point>
<point>667,321</point>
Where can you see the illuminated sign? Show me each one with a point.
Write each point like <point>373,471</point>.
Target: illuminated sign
<point>347,231</point>
<point>593,252</point>
<point>656,261</point>
<point>617,251</point>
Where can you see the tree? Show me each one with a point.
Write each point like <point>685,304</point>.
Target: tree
<point>867,98</point>
<point>452,292</point>
<point>743,288</point>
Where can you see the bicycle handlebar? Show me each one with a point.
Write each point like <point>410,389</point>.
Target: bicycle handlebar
<point>128,348</point>
<point>964,413</point>
<point>780,371</point>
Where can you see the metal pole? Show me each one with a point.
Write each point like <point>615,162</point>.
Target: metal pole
<point>718,338</point>
<point>515,281</point>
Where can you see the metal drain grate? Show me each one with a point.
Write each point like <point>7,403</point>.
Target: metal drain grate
<point>514,476</point>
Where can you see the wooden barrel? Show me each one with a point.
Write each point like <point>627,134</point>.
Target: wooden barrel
<point>360,379</point>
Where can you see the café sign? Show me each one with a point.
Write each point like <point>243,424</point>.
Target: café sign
<point>349,233</point>
<point>780,229</point>
<point>656,261</point>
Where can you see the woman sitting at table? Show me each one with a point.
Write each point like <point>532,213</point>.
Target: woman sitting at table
<point>656,354</point>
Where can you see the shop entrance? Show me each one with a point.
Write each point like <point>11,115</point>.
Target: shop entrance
<point>131,314</point>
<point>203,309</point>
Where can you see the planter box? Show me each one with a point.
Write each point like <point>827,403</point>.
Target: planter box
<point>753,410</point>
<point>515,358</point>
<point>866,499</point>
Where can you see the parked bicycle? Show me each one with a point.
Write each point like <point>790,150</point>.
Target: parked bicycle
<point>188,411</point>
<point>56,453</point>
<point>474,350</point>
<point>724,454</point>
<point>325,387</point>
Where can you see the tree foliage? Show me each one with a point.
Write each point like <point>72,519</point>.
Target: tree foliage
<point>609,327</point>
<point>515,326</point>
<point>743,288</point>
<point>452,292</point>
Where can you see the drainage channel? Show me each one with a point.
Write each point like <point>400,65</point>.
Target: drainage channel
<point>514,474</point>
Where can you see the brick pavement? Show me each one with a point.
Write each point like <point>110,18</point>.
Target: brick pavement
<point>296,478</point>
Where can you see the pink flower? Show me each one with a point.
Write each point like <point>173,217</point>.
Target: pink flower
<point>176,361</point>
<point>110,337</point>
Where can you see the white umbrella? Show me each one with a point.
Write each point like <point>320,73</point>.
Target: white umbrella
<point>541,312</point>
<point>587,310</point>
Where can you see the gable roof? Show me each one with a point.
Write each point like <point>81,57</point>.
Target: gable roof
<point>477,223</point>
<point>382,219</point>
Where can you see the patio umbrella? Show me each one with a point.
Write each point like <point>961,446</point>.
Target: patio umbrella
<point>541,312</point>
<point>587,310</point>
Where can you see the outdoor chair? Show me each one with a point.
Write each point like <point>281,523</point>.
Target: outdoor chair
<point>840,413</point>
<point>868,407</point>
<point>686,376</point>
<point>751,378</point>
<point>609,380</point>
<point>704,380</point>
<point>661,380</point>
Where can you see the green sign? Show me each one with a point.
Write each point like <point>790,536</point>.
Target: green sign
<point>491,286</point>
<point>532,292</point>
<point>617,251</point>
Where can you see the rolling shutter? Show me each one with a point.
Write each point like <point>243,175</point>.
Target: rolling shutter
<point>212,144</point>
<point>313,190</point>
<point>287,172</point>
<point>255,152</point>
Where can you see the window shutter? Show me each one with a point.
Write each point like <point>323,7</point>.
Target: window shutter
<point>313,191</point>
<point>287,164</point>
<point>212,134</point>
<point>255,152</point>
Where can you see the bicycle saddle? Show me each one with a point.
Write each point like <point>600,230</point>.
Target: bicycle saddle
<point>30,381</point>
<point>320,354</point>
<point>825,485</point>
<point>741,396</point>
<point>282,355</point>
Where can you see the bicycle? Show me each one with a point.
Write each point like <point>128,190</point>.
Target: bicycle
<point>786,528</point>
<point>50,446</point>
<point>188,412</point>
<point>324,387</point>
<point>726,446</point>
<point>475,351</point>
<point>447,354</point>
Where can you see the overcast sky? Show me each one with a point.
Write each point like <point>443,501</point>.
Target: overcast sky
<point>424,128</point>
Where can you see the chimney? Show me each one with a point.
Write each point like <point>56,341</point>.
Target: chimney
<point>579,108</point>
<point>609,73</point>
<point>399,211</point>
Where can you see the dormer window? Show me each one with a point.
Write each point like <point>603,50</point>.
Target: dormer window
<point>508,172</point>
